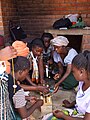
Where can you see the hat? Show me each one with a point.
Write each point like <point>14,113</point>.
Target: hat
<point>60,41</point>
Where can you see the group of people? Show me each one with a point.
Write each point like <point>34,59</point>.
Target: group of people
<point>69,69</point>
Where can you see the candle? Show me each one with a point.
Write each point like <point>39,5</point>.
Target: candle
<point>46,70</point>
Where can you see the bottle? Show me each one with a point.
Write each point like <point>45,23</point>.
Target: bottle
<point>79,19</point>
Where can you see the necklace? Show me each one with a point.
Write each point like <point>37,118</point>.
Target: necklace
<point>13,74</point>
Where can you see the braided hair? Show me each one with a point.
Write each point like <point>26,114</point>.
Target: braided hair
<point>82,60</point>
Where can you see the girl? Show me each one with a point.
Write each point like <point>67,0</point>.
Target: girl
<point>16,93</point>
<point>81,71</point>
<point>48,53</point>
<point>67,54</point>
<point>36,60</point>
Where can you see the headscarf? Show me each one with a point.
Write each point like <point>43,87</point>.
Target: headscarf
<point>60,41</point>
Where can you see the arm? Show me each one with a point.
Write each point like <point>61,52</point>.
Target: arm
<point>24,112</point>
<point>35,88</point>
<point>60,114</point>
<point>60,66</point>
<point>68,70</point>
<point>59,74</point>
<point>63,77</point>
<point>68,104</point>
<point>7,53</point>
<point>41,69</point>
<point>29,80</point>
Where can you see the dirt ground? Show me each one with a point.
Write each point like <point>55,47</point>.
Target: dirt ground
<point>56,103</point>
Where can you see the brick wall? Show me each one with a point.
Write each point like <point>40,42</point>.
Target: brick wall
<point>37,15</point>
<point>8,12</point>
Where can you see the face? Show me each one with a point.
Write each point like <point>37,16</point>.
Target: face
<point>22,74</point>
<point>37,51</point>
<point>79,74</point>
<point>46,42</point>
<point>58,49</point>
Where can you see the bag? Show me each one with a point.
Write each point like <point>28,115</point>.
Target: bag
<point>63,22</point>
<point>16,32</point>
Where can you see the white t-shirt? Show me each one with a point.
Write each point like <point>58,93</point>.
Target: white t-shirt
<point>71,54</point>
<point>83,100</point>
<point>57,57</point>
<point>19,99</point>
<point>68,59</point>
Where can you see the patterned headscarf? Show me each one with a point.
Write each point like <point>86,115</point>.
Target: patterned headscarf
<point>60,41</point>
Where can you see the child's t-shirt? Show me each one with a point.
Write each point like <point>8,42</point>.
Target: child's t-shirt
<point>83,99</point>
<point>47,54</point>
<point>17,98</point>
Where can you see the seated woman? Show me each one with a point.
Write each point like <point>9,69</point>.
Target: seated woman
<point>67,54</point>
<point>81,71</point>
<point>16,93</point>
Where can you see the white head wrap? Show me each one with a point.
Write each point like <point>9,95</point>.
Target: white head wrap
<point>60,41</point>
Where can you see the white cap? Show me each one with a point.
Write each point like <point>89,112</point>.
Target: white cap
<point>60,41</point>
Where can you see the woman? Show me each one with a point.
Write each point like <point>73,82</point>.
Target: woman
<point>81,71</point>
<point>67,54</point>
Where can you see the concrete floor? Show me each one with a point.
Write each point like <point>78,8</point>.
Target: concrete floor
<point>57,99</point>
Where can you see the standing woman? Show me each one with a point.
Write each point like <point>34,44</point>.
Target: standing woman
<point>67,54</point>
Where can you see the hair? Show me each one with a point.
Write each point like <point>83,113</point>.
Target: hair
<point>37,42</point>
<point>82,60</point>
<point>22,63</point>
<point>48,35</point>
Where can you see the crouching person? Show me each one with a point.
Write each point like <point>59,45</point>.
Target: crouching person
<point>16,93</point>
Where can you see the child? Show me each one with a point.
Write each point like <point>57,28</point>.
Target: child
<point>48,53</point>
<point>67,80</point>
<point>16,93</point>
<point>81,71</point>
<point>36,59</point>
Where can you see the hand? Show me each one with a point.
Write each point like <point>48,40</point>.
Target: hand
<point>42,81</point>
<point>33,99</point>
<point>50,61</point>
<point>7,53</point>
<point>56,87</point>
<point>56,76</point>
<point>58,114</point>
<point>43,89</point>
<point>66,104</point>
